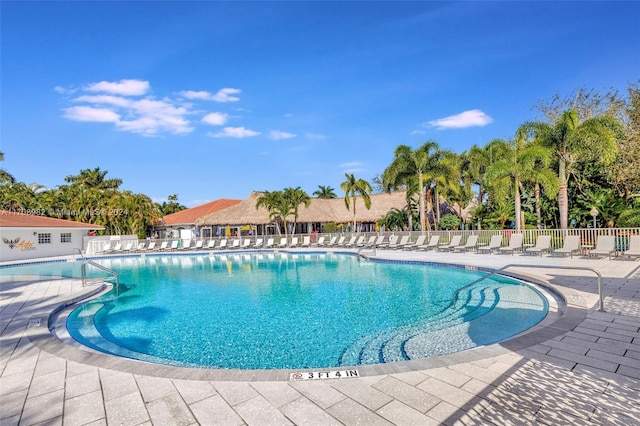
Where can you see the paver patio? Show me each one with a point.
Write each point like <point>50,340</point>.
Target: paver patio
<point>583,367</point>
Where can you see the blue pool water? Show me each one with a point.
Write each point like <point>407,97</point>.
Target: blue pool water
<point>266,311</point>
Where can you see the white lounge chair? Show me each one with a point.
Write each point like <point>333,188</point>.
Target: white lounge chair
<point>494,244</point>
<point>283,242</point>
<point>605,246</point>
<point>419,241</point>
<point>223,244</point>
<point>211,244</point>
<point>543,244</point>
<point>150,247</point>
<point>198,246</point>
<point>332,242</point>
<point>246,243</point>
<point>128,247</point>
<point>106,248</point>
<point>349,243</point>
<point>270,243</point>
<point>163,246</point>
<point>306,241</point>
<point>515,244</point>
<point>358,242</point>
<point>403,241</point>
<point>117,248</point>
<point>235,244</point>
<point>294,242</point>
<point>173,245</point>
<point>471,244</point>
<point>186,245</point>
<point>571,246</point>
<point>455,242</point>
<point>634,247</point>
<point>340,241</point>
<point>259,243</point>
<point>379,241</point>
<point>432,244</point>
<point>141,247</point>
<point>321,241</point>
<point>392,240</point>
<point>368,243</point>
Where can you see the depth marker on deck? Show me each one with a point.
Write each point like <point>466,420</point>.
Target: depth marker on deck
<point>317,375</point>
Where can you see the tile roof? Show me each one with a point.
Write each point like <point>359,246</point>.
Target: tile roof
<point>190,215</point>
<point>11,219</point>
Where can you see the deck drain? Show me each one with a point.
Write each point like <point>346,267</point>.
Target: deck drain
<point>577,299</point>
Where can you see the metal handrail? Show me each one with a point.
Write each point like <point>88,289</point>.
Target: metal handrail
<point>586,268</point>
<point>104,268</point>
<point>79,252</point>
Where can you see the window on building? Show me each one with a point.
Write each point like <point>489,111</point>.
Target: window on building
<point>44,238</point>
<point>65,237</point>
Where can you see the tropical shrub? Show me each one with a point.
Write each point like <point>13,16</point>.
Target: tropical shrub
<point>449,222</point>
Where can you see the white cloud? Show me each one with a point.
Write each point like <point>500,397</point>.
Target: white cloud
<point>277,135</point>
<point>87,113</point>
<point>105,99</point>
<point>352,167</point>
<point>351,164</point>
<point>146,116</point>
<point>215,118</point>
<point>234,132</point>
<point>471,118</point>
<point>122,87</point>
<point>315,136</point>
<point>418,132</point>
<point>112,102</point>
<point>223,95</point>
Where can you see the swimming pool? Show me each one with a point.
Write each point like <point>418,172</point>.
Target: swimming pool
<point>283,310</point>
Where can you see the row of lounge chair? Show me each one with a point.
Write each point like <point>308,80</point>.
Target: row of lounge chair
<point>605,244</point>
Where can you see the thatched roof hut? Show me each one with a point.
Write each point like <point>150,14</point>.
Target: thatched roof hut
<point>320,210</point>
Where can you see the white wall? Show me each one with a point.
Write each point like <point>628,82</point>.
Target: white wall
<point>28,247</point>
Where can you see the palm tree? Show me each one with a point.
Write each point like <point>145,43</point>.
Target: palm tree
<point>575,142</point>
<point>272,201</point>
<point>541,176</point>
<point>445,174</point>
<point>171,205</point>
<point>5,177</point>
<point>353,187</point>
<point>394,219</point>
<point>95,179</point>
<point>325,192</point>
<point>294,197</point>
<point>412,164</point>
<point>518,166</point>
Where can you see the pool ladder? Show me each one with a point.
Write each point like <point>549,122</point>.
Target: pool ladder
<point>513,265</point>
<point>86,280</point>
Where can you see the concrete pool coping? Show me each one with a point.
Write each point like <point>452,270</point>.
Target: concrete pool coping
<point>566,315</point>
<point>583,368</point>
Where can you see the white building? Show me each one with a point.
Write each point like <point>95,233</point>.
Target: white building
<point>27,236</point>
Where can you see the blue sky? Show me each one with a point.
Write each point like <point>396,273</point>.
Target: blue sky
<point>212,100</point>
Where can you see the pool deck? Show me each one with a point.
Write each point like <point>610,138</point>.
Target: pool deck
<point>583,367</point>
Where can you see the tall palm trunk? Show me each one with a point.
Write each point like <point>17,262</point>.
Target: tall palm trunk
<point>354,215</point>
<point>536,192</point>
<point>437,201</point>
<point>429,207</point>
<point>563,196</point>
<point>518,205</point>
<point>421,201</point>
